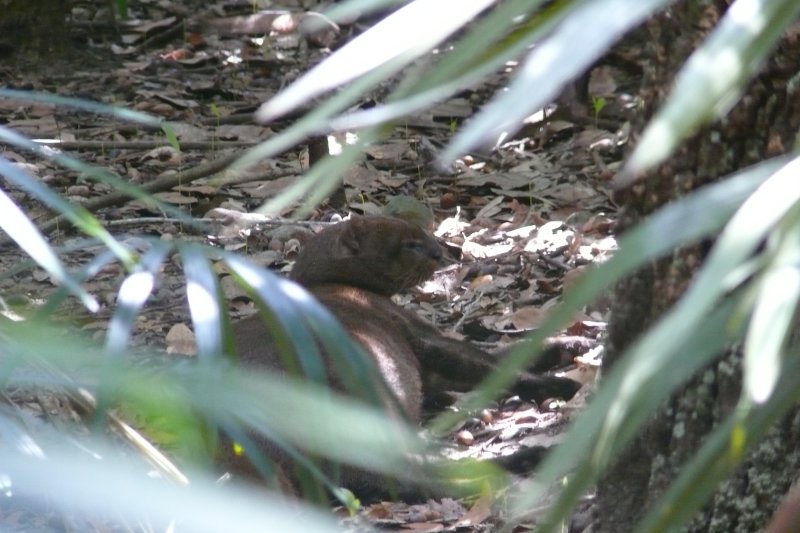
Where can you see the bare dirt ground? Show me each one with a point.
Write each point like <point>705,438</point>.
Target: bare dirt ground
<point>524,217</point>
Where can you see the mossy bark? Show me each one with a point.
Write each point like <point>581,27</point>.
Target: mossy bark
<point>762,125</point>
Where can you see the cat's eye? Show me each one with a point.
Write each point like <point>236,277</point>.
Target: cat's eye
<point>423,248</point>
<point>415,246</point>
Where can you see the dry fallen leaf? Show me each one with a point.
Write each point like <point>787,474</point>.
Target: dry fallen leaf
<point>180,339</point>
<point>572,276</point>
<point>527,318</point>
<point>478,513</point>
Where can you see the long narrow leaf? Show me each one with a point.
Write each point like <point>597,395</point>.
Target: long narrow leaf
<point>87,105</point>
<point>722,452</point>
<point>133,293</point>
<point>86,272</point>
<point>76,214</point>
<point>284,320</point>
<point>307,415</point>
<point>774,311</point>
<point>572,457</point>
<point>738,240</point>
<point>474,56</point>
<point>319,181</point>
<point>303,321</point>
<point>83,482</point>
<point>698,214</point>
<point>653,355</point>
<point>351,8</point>
<point>21,229</point>
<point>566,53</point>
<point>317,121</point>
<point>712,79</point>
<point>205,299</point>
<point>432,21</point>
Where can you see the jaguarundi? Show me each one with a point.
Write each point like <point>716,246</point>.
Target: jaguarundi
<point>353,268</point>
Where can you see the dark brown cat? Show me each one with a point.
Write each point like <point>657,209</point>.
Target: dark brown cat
<point>352,268</point>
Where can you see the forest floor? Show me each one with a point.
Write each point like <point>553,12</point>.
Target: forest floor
<point>525,216</point>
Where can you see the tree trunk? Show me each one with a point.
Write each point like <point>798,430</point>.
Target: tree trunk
<point>33,31</point>
<point>762,125</point>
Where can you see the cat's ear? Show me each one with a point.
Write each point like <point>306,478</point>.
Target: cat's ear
<point>349,241</point>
